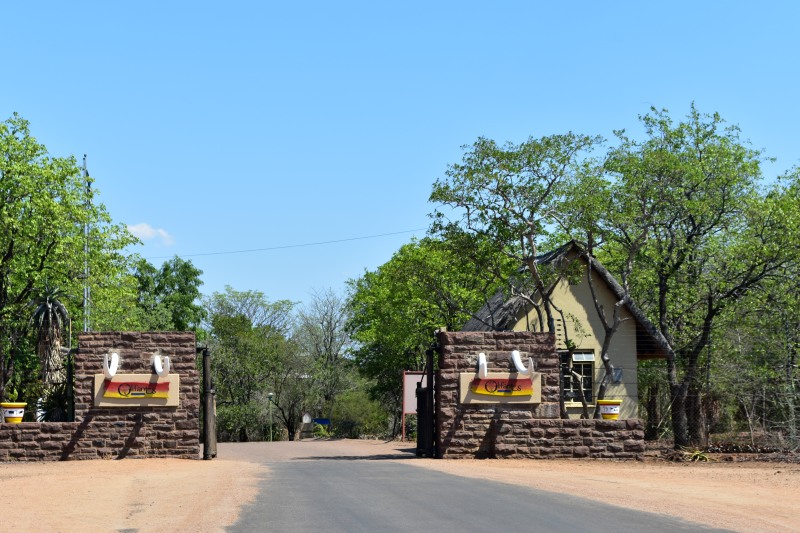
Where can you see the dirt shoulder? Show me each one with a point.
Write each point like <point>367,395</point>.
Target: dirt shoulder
<point>180,495</point>
<point>739,496</point>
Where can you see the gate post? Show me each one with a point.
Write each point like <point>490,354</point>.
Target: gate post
<point>426,420</point>
<point>209,409</point>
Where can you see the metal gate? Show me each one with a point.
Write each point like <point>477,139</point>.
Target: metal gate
<point>426,420</point>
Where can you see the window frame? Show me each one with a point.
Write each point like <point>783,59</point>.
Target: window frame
<point>583,362</point>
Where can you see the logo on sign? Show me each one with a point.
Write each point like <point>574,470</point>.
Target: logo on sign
<point>502,387</point>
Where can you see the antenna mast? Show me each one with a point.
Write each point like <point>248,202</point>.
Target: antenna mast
<point>86,294</point>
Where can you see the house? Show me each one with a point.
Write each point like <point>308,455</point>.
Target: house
<point>577,320</point>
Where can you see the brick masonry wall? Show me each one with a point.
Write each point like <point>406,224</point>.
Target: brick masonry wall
<point>115,433</point>
<point>518,430</point>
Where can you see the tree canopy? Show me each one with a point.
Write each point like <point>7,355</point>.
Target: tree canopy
<point>169,297</point>
<point>395,309</point>
<point>46,208</point>
<point>682,216</point>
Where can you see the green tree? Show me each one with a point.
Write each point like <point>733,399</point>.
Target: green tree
<point>691,190</point>
<point>322,335</point>
<point>356,415</point>
<point>751,362</point>
<point>395,310</point>
<point>293,384</point>
<point>515,197</point>
<point>49,318</point>
<point>249,339</point>
<point>521,197</point>
<point>45,208</point>
<point>169,297</point>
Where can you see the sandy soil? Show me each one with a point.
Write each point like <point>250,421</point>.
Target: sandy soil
<point>181,495</point>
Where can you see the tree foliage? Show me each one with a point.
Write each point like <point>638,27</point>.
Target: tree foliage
<point>514,197</point>
<point>169,297</point>
<point>682,217</point>
<point>396,309</point>
<point>321,334</point>
<point>45,209</point>
<point>249,340</point>
<point>692,189</point>
<point>49,319</point>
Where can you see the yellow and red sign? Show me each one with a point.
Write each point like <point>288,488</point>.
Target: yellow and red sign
<point>502,387</point>
<point>135,389</point>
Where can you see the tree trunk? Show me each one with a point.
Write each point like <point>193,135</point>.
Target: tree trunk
<point>679,423</point>
<point>653,414</point>
<point>581,396</point>
<point>601,395</point>
<point>694,417</point>
<point>607,366</point>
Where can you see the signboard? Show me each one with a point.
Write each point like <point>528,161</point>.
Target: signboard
<point>500,387</point>
<point>136,390</point>
<point>410,380</point>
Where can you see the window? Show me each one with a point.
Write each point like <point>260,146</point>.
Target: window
<point>583,365</point>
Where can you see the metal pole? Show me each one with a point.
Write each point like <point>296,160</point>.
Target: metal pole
<point>209,408</point>
<point>86,294</point>
<point>269,397</point>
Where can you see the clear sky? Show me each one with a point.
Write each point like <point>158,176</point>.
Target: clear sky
<point>214,127</point>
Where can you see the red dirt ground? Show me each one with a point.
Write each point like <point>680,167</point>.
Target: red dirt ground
<point>184,495</point>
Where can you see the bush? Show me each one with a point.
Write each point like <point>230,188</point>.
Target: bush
<point>355,416</point>
<point>241,423</point>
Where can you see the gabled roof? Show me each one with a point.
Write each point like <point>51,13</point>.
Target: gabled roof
<point>500,313</point>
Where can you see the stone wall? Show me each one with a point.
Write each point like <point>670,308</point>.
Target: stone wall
<point>115,433</point>
<point>518,430</point>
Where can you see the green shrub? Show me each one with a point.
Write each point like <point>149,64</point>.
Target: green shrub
<point>355,416</point>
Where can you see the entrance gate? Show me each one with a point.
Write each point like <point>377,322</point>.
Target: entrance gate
<point>426,423</point>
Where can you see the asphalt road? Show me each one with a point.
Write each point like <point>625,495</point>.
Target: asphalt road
<point>352,494</point>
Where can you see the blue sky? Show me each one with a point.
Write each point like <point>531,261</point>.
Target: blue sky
<point>223,127</point>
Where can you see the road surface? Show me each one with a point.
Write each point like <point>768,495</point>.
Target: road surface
<point>311,490</point>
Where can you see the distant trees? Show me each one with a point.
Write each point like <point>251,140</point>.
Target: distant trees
<point>321,334</point>
<point>168,297</point>
<point>249,339</point>
<point>300,356</point>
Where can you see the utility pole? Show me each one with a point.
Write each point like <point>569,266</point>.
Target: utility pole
<point>269,397</point>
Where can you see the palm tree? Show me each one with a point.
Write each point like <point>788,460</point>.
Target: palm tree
<point>49,319</point>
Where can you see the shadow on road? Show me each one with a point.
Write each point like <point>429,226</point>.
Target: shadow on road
<point>317,450</point>
<point>409,453</point>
